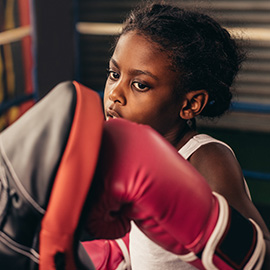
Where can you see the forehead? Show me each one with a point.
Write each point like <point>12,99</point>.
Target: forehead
<point>139,50</point>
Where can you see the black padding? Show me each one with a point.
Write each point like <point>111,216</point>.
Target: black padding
<point>239,242</point>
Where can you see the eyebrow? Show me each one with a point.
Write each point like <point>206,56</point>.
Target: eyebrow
<point>136,71</point>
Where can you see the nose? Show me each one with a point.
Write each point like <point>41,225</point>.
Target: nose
<point>117,94</point>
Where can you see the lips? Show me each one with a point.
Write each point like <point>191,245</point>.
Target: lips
<point>112,114</point>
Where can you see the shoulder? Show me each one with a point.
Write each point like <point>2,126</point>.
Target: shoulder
<point>218,164</point>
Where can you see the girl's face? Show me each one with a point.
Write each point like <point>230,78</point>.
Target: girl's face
<point>140,86</point>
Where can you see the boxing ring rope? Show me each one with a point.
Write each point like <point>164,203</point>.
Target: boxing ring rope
<point>250,107</point>
<point>257,175</point>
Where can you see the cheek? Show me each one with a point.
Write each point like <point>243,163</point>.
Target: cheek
<point>147,115</point>
<point>106,93</point>
<point>164,116</point>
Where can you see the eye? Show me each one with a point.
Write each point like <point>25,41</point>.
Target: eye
<point>113,74</point>
<point>140,86</point>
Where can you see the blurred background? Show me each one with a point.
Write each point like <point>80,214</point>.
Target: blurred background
<point>45,42</point>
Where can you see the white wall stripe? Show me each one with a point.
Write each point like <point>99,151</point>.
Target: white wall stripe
<point>87,28</point>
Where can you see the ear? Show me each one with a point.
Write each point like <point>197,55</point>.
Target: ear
<point>193,104</point>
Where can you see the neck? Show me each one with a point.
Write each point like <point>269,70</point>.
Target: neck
<point>179,137</point>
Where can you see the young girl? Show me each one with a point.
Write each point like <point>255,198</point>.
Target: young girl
<point>170,65</point>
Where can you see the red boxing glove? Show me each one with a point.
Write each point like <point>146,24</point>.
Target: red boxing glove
<point>141,177</point>
<point>109,254</point>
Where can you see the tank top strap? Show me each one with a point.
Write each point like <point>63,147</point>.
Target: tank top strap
<point>196,142</point>
<point>199,140</point>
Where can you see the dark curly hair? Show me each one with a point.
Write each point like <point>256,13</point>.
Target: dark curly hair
<point>203,52</point>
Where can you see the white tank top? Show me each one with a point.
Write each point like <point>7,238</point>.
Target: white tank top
<point>144,253</point>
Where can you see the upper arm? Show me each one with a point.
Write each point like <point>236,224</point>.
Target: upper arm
<point>222,171</point>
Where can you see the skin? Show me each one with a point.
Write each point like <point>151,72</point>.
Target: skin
<point>140,88</point>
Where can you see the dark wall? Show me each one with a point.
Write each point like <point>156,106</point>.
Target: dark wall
<point>54,43</point>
